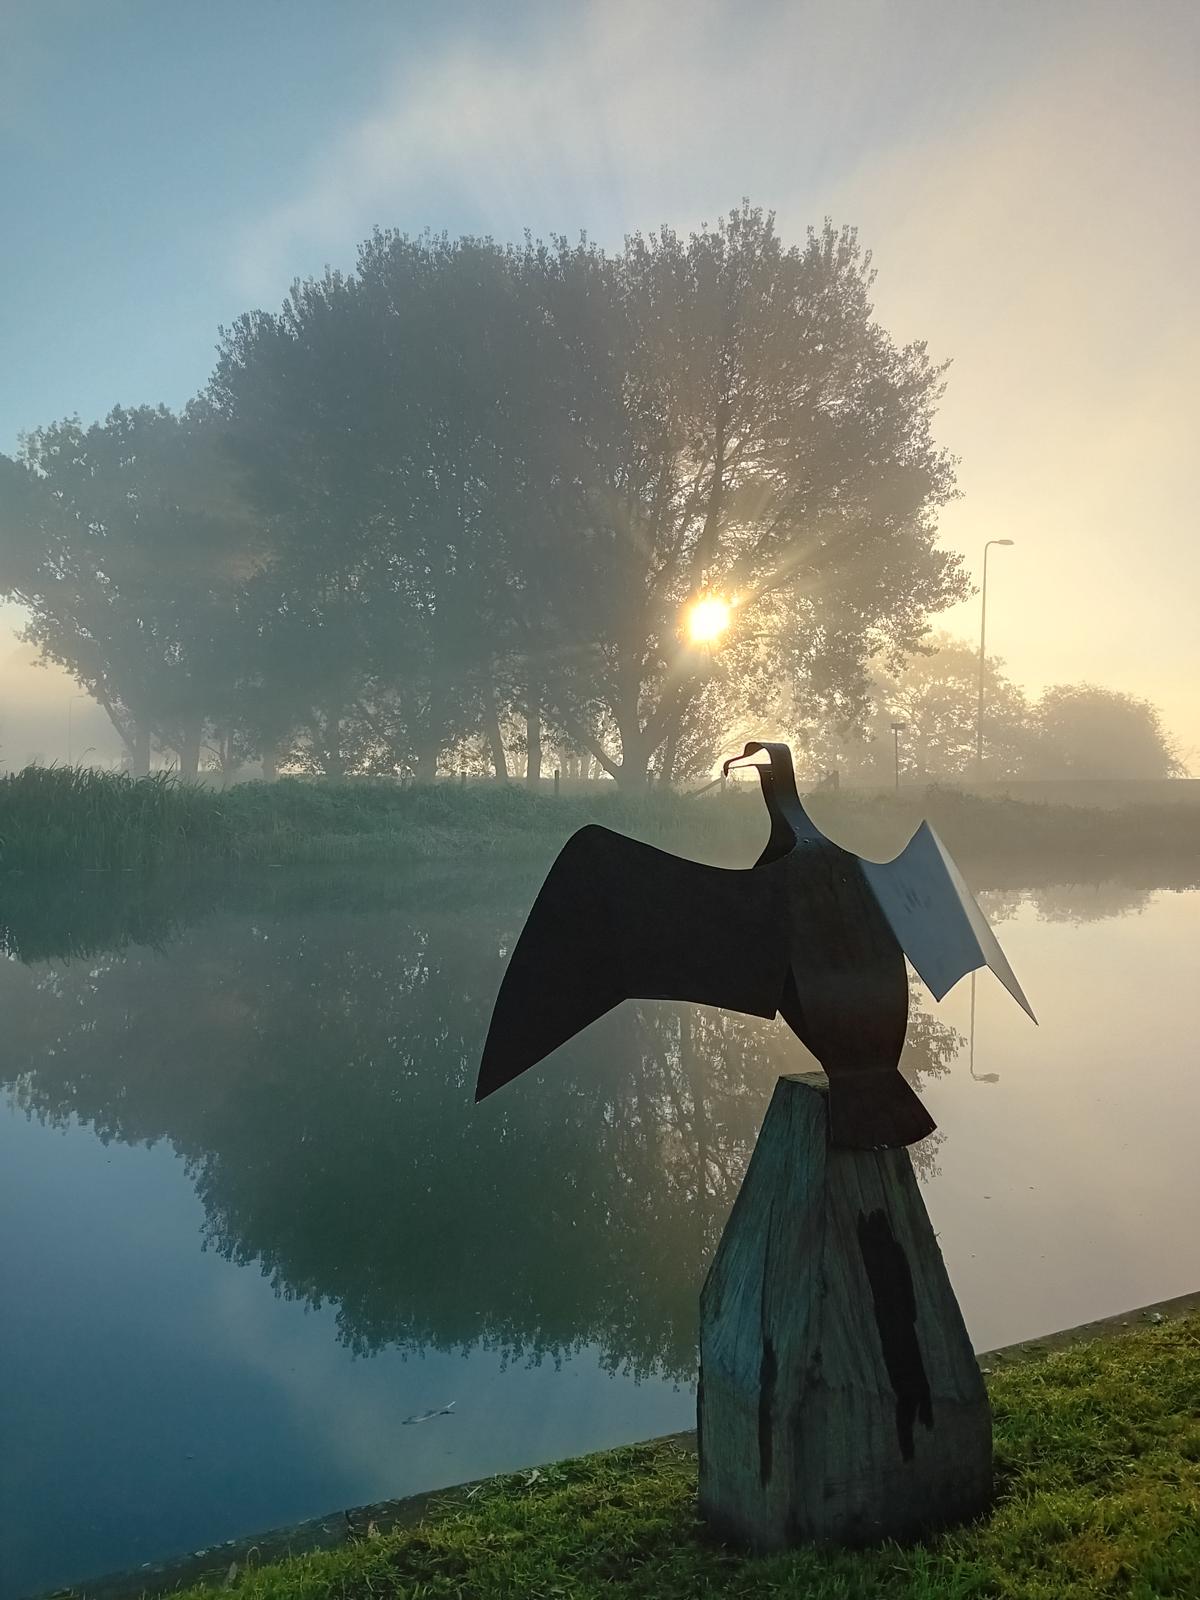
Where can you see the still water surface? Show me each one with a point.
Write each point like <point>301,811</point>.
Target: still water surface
<point>251,1222</point>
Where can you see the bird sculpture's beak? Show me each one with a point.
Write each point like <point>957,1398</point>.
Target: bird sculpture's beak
<point>746,759</point>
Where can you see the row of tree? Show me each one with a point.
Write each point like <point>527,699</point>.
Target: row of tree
<point>1070,731</point>
<point>450,511</point>
<point>451,507</point>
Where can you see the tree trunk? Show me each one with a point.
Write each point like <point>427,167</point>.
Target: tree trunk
<point>425,767</point>
<point>636,742</point>
<point>706,545</point>
<point>635,759</point>
<point>270,761</point>
<point>634,777</point>
<point>226,757</point>
<point>430,737</point>
<point>840,1399</point>
<point>189,752</point>
<point>126,728</point>
<point>667,775</point>
<point>140,753</point>
<point>495,739</point>
<point>589,741</point>
<point>533,736</point>
<point>335,766</point>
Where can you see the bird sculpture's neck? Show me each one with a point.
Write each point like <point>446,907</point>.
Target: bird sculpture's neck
<point>791,825</point>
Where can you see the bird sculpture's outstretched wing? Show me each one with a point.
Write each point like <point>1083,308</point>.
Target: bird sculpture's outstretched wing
<point>618,920</point>
<point>934,916</point>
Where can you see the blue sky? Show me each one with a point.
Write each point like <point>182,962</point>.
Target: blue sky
<point>141,140</point>
<point>149,145</point>
<point>1023,171</point>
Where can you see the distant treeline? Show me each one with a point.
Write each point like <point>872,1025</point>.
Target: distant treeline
<point>450,511</point>
<point>1076,731</point>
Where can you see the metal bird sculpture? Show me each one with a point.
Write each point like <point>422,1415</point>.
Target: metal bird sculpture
<point>811,932</point>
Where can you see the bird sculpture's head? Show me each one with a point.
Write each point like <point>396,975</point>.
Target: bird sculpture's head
<point>790,823</point>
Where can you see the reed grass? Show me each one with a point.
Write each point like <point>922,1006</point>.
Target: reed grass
<point>74,818</point>
<point>52,818</point>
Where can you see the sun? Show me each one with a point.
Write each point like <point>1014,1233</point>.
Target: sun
<point>708,619</point>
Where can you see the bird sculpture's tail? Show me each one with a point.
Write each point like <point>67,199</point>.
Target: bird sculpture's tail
<point>875,1111</point>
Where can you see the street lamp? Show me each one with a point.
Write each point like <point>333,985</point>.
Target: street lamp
<point>982,646</point>
<point>980,1077</point>
<point>897,729</point>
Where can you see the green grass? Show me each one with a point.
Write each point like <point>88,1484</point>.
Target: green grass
<point>298,820</point>
<point>1098,1466</point>
<point>75,819</point>
<point>75,816</point>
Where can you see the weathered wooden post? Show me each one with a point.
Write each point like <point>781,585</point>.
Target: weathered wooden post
<point>840,1399</point>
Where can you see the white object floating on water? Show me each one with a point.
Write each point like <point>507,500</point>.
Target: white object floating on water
<point>442,1411</point>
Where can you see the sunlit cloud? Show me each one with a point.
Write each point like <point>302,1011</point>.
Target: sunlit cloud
<point>618,116</point>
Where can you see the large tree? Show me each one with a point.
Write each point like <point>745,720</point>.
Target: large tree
<point>128,544</point>
<point>382,423</point>
<point>503,475</point>
<point>733,420</point>
<point>936,696</point>
<point>1085,731</point>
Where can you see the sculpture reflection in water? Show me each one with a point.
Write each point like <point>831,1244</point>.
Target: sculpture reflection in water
<point>314,1068</point>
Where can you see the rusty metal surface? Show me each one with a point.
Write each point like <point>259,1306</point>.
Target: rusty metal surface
<point>811,932</point>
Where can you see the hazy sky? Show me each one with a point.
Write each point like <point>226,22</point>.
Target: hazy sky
<point>1024,173</point>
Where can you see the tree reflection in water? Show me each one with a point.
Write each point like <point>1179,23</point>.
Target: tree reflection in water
<point>313,1066</point>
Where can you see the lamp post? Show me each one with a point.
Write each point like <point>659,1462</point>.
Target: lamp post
<point>980,1077</point>
<point>897,729</point>
<point>982,646</point>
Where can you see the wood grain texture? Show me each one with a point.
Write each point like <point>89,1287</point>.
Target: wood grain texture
<point>840,1399</point>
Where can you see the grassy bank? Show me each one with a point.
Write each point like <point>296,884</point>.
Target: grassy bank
<point>76,819</point>
<point>53,818</point>
<point>1098,1495</point>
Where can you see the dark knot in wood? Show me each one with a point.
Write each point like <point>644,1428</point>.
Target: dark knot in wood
<point>896,1319</point>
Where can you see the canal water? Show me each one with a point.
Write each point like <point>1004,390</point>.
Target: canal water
<point>253,1230</point>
